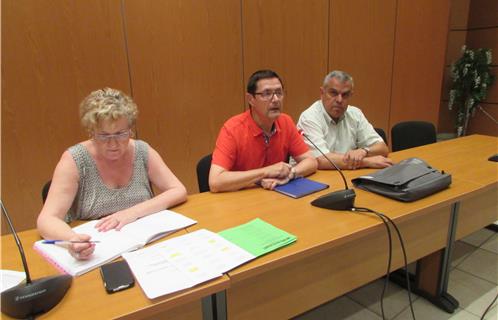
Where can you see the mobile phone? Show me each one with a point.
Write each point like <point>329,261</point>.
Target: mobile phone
<point>117,276</point>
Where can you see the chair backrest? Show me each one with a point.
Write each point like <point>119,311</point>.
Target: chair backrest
<point>382,134</point>
<point>45,189</point>
<point>203,167</point>
<point>410,134</point>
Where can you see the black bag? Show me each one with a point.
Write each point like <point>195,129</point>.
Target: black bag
<point>408,180</point>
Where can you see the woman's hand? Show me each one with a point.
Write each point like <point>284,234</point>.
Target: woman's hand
<point>116,220</point>
<point>81,251</point>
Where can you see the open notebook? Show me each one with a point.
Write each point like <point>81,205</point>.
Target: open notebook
<point>113,243</point>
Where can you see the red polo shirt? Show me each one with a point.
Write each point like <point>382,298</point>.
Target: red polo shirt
<point>242,146</point>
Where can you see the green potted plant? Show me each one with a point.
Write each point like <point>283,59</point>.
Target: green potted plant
<point>472,78</point>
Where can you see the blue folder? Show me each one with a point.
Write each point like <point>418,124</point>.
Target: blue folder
<point>300,187</point>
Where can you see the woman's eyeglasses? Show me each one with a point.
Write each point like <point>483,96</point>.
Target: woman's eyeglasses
<point>106,137</point>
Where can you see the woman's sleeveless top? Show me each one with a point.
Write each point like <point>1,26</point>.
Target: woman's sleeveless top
<point>94,199</point>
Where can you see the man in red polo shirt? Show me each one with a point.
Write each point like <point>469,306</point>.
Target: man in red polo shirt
<point>252,147</point>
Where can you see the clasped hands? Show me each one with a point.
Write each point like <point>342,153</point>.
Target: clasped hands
<point>277,174</point>
<point>356,159</point>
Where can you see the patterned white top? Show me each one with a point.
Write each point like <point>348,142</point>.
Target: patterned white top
<point>94,199</point>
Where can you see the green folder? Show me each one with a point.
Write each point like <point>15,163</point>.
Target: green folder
<point>258,237</point>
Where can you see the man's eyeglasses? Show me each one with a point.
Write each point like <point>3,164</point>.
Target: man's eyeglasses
<point>267,95</point>
<point>106,137</point>
<point>344,95</point>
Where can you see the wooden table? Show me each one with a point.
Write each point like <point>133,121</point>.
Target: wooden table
<point>87,298</point>
<point>339,251</point>
<point>336,251</point>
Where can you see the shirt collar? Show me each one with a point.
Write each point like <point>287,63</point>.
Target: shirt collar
<point>327,116</point>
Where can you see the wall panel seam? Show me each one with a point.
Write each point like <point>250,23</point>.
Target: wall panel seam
<point>242,56</point>
<point>127,51</point>
<point>392,67</point>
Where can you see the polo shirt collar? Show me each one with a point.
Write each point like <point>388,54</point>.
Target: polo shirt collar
<point>255,129</point>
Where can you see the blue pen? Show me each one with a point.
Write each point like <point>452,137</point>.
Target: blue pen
<point>67,241</point>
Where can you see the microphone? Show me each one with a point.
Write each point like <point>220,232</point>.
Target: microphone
<point>35,296</point>
<point>337,200</point>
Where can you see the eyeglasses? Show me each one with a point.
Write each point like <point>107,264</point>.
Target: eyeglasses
<point>334,93</point>
<point>106,137</point>
<point>267,95</point>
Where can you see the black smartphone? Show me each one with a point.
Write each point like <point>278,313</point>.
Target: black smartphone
<point>117,276</point>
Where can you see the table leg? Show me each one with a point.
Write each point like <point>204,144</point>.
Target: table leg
<point>431,278</point>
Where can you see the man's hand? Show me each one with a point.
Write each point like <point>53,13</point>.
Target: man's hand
<point>377,162</point>
<point>271,183</point>
<point>353,158</point>
<point>278,170</point>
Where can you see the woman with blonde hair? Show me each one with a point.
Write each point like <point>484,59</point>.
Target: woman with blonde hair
<point>107,177</point>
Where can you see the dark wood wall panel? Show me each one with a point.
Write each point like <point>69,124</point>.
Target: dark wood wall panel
<point>456,40</point>
<point>421,34</point>
<point>482,124</point>
<point>290,37</point>
<point>492,96</point>
<point>483,14</point>
<point>473,23</point>
<point>484,38</point>
<point>54,53</point>
<point>459,14</point>
<point>361,43</point>
<point>186,68</point>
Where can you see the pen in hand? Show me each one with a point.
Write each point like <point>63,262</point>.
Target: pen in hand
<point>67,241</point>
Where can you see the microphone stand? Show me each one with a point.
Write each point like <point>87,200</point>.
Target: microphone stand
<point>33,297</point>
<point>337,200</point>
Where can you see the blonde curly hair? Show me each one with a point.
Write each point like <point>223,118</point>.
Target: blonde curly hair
<point>105,104</point>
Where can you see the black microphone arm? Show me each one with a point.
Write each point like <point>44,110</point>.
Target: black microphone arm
<point>18,242</point>
<point>328,159</point>
<point>337,200</point>
<point>35,296</point>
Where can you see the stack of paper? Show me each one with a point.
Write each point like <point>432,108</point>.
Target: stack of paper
<point>202,255</point>
<point>183,262</point>
<point>11,279</point>
<point>258,237</point>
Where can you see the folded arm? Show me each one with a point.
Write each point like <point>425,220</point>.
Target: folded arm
<point>221,179</point>
<point>306,165</point>
<point>358,158</point>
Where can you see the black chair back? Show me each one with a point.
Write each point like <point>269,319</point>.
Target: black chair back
<point>410,134</point>
<point>382,134</point>
<point>203,167</point>
<point>45,189</point>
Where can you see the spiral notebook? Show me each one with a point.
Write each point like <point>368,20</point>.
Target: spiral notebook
<point>113,243</point>
<point>300,187</point>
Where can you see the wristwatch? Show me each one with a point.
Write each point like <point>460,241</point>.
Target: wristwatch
<point>294,173</point>
<point>367,149</point>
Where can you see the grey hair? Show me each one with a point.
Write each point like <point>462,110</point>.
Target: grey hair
<point>341,76</point>
<point>107,104</point>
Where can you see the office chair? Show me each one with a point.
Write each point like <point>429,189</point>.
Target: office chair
<point>382,134</point>
<point>410,134</point>
<point>203,167</point>
<point>45,189</point>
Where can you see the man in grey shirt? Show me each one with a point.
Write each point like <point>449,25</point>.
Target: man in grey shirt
<point>341,131</point>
